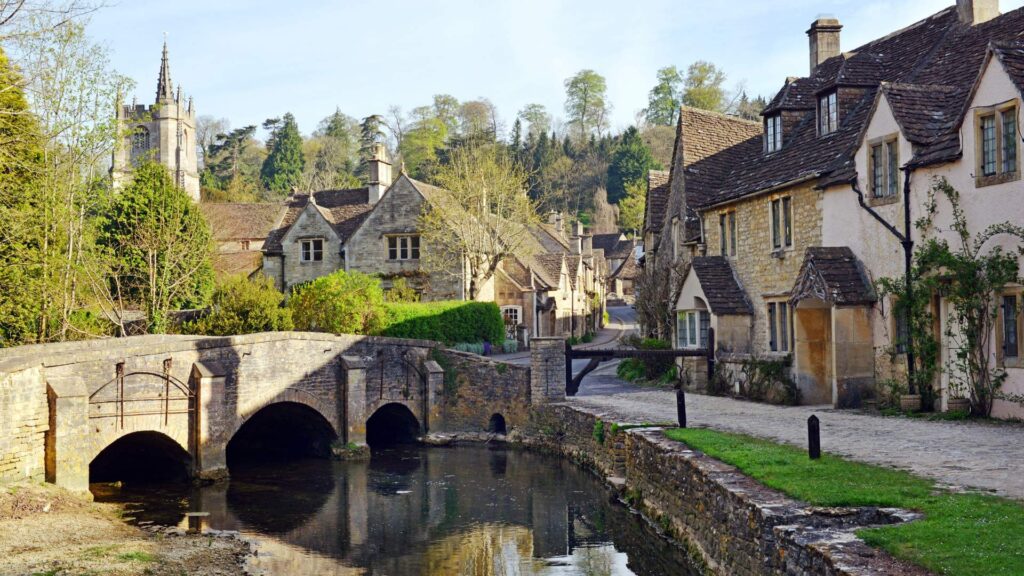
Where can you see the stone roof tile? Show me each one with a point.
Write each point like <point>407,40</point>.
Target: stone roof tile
<point>725,295</point>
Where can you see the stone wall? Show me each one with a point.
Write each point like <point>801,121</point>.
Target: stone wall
<point>23,425</point>
<point>476,388</point>
<point>310,224</point>
<point>729,523</point>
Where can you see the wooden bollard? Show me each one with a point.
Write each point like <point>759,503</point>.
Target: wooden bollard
<point>813,437</point>
<point>681,406</point>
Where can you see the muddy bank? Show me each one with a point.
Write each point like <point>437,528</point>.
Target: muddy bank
<point>44,530</point>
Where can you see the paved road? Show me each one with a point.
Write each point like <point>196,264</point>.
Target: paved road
<point>987,456</point>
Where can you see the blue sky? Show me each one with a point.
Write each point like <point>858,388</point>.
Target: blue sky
<point>248,60</point>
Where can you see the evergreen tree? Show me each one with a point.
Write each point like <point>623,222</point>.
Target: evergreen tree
<point>282,170</point>
<point>371,133</point>
<point>664,99</point>
<point>630,163</point>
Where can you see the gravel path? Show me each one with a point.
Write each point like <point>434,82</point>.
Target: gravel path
<point>987,456</point>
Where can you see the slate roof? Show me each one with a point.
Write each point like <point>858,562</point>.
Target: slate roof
<point>1011,54</point>
<point>235,263</point>
<point>572,264</point>
<point>241,220</point>
<point>614,245</point>
<point>549,266</point>
<point>721,287</point>
<point>657,199</point>
<point>937,51</point>
<point>628,270</point>
<point>344,210</point>
<point>834,275</point>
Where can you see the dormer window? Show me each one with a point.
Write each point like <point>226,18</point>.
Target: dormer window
<point>828,113</point>
<point>773,133</point>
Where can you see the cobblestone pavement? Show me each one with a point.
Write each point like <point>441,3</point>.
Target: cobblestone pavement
<point>986,456</point>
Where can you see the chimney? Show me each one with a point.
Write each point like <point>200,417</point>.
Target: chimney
<point>555,219</point>
<point>973,12</point>
<point>824,39</point>
<point>380,173</point>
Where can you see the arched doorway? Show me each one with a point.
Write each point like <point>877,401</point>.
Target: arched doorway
<point>392,424</point>
<point>281,431</point>
<point>142,457</point>
<point>496,424</point>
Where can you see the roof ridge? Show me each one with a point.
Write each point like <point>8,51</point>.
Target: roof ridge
<point>721,115</point>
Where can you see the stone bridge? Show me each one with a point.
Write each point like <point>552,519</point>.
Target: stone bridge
<point>66,407</point>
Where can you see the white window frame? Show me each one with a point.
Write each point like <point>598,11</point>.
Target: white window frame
<point>773,133</point>
<point>311,250</point>
<point>779,335</point>
<point>785,223</point>
<point>828,113</point>
<point>689,327</point>
<point>403,247</point>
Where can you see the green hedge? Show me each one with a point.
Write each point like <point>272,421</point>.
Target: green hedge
<point>447,322</point>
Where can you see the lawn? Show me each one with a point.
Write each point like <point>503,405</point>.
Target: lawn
<point>962,534</point>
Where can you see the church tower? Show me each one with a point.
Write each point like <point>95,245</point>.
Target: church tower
<point>164,132</point>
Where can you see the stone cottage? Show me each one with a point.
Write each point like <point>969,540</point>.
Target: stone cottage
<point>801,214</point>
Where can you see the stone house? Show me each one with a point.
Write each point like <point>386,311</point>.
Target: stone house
<point>620,258</point>
<point>239,232</point>
<point>804,211</point>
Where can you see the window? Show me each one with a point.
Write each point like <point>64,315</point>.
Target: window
<point>901,327</point>
<point>727,230</point>
<point>313,250</point>
<point>140,143</point>
<point>245,244</point>
<point>782,223</point>
<point>773,133</point>
<point>403,247</point>
<point>884,169</point>
<point>1010,325</point>
<point>692,328</point>
<point>997,146</point>
<point>513,317</point>
<point>828,114</point>
<point>780,327</point>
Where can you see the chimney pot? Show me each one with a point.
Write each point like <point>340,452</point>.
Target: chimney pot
<point>824,40</point>
<point>973,12</point>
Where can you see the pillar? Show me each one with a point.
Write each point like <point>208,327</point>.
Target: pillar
<point>208,436</point>
<point>67,440</point>
<point>547,370</point>
<point>354,395</point>
<point>434,414</point>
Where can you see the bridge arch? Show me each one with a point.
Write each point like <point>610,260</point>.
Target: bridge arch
<point>283,430</point>
<point>146,456</point>
<point>392,423</point>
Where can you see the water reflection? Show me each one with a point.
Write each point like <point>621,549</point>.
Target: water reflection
<point>412,511</point>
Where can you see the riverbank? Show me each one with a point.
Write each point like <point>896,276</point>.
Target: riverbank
<point>47,531</point>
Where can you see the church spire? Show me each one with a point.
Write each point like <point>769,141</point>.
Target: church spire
<point>164,88</point>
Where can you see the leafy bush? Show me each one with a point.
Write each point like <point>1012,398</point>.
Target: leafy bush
<point>447,322</point>
<point>587,338</point>
<point>572,340</point>
<point>243,306</point>
<point>472,348</point>
<point>400,291</point>
<point>341,303</point>
<point>768,381</point>
<point>598,432</point>
<point>606,319</point>
<point>631,370</point>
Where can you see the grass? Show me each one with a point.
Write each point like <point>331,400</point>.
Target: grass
<point>136,557</point>
<point>963,534</point>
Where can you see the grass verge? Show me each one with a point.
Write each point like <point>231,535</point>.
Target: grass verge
<point>963,534</point>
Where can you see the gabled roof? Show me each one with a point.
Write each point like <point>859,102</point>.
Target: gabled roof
<point>615,246</point>
<point>344,210</point>
<point>628,270</point>
<point>722,290</point>
<point>833,275</point>
<point>241,220</point>
<point>572,264</point>
<point>1011,54</point>
<point>549,267</point>
<point>926,116</point>
<point>937,51</point>
<point>236,263</point>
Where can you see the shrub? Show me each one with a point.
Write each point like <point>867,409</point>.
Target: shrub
<point>767,381</point>
<point>400,291</point>
<point>587,338</point>
<point>447,322</point>
<point>631,370</point>
<point>471,347</point>
<point>341,302</point>
<point>510,346</point>
<point>243,306</point>
<point>598,432</point>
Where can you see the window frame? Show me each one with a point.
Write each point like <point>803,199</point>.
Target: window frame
<point>694,324</point>
<point>828,113</point>
<point>997,154</point>
<point>1005,360</point>
<point>727,230</point>
<point>311,250</point>
<point>403,247</point>
<point>772,133</point>
<point>883,169</point>
<point>780,223</point>
<point>779,333</point>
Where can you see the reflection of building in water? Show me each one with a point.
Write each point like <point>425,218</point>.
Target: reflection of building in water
<point>486,550</point>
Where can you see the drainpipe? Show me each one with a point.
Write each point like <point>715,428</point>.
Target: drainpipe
<point>907,242</point>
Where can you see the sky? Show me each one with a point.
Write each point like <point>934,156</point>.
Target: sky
<point>249,60</point>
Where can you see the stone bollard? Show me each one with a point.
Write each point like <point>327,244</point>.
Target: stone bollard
<point>547,370</point>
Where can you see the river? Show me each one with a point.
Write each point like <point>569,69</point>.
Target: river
<point>466,511</point>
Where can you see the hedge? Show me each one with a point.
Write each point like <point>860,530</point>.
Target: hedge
<point>448,322</point>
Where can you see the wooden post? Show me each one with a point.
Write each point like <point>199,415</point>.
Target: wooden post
<point>813,437</point>
<point>568,369</point>
<point>711,354</point>
<point>681,406</point>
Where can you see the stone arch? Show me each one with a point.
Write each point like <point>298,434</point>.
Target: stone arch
<point>281,431</point>
<point>141,456</point>
<point>497,424</point>
<point>392,423</point>
<point>293,395</point>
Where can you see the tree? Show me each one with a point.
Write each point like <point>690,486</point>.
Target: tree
<point>664,99</point>
<point>243,306</point>
<point>422,141</point>
<point>586,103</point>
<point>480,217</point>
<point>371,133</point>
<point>703,87</point>
<point>631,208</point>
<point>207,130</point>
<point>630,163</point>
<point>157,245</point>
<point>341,303</point>
<point>537,119</point>
<point>334,153</point>
<point>282,170</point>
<point>749,109</point>
<point>226,169</point>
